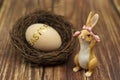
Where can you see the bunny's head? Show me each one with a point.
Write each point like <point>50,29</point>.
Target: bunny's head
<point>87,33</point>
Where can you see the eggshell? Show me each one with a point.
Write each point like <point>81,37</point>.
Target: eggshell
<point>43,37</point>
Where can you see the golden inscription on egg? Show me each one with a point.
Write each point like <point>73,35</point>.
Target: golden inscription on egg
<point>37,34</point>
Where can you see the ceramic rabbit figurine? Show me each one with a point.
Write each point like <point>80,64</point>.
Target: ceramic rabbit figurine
<point>86,58</point>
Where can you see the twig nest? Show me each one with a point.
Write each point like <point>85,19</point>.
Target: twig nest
<point>57,22</point>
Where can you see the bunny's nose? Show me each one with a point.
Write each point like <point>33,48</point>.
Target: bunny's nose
<point>82,37</point>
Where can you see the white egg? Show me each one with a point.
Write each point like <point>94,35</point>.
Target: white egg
<point>43,37</point>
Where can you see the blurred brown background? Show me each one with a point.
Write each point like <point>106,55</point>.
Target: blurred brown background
<point>14,67</point>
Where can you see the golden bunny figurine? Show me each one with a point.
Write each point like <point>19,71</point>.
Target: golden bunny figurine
<point>85,58</point>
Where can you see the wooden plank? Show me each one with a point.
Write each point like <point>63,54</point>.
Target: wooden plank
<point>1,2</point>
<point>14,67</point>
<point>56,72</point>
<point>60,72</point>
<point>107,50</point>
<point>117,5</point>
<point>78,19</point>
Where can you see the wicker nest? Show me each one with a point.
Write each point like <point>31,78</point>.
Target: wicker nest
<point>59,23</point>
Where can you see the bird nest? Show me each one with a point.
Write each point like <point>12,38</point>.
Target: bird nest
<point>59,23</point>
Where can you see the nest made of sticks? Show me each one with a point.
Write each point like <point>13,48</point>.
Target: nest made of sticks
<point>59,23</point>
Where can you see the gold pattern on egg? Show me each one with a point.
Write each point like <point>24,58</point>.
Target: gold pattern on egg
<point>37,33</point>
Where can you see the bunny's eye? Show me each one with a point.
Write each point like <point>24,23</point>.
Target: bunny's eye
<point>88,35</point>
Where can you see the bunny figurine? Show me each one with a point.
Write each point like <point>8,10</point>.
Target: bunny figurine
<point>86,59</point>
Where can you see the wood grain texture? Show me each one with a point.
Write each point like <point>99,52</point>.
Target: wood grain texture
<point>117,5</point>
<point>14,67</point>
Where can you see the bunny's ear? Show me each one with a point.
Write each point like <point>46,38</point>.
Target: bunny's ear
<point>88,23</point>
<point>94,20</point>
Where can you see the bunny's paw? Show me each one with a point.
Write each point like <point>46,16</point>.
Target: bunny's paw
<point>75,69</point>
<point>88,74</point>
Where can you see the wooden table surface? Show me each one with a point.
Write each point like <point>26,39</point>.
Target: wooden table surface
<point>14,67</point>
